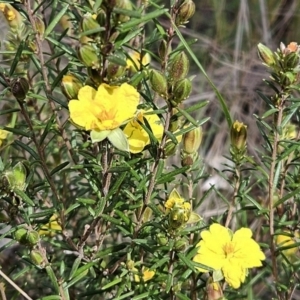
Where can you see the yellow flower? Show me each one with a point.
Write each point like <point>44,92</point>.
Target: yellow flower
<point>105,109</point>
<point>138,138</point>
<point>3,136</point>
<point>231,253</point>
<point>287,240</point>
<point>52,227</point>
<point>147,275</point>
<point>134,63</point>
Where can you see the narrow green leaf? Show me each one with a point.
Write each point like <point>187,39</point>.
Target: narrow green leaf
<point>58,168</point>
<point>24,197</point>
<point>134,23</point>
<point>74,267</point>
<point>112,283</point>
<point>141,296</point>
<point>28,149</point>
<point>18,131</point>
<point>186,261</point>
<point>55,21</point>
<point>16,60</point>
<point>219,96</point>
<point>52,278</point>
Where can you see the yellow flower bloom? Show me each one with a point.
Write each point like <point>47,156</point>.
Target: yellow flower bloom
<point>3,136</point>
<point>138,138</point>
<point>105,109</point>
<point>147,275</point>
<point>287,240</point>
<point>52,227</point>
<point>134,63</point>
<point>231,253</point>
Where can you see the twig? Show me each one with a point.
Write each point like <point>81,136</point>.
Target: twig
<point>15,285</point>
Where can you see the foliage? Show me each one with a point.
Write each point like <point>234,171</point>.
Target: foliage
<point>96,200</point>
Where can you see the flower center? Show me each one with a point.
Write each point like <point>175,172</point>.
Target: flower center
<point>229,250</point>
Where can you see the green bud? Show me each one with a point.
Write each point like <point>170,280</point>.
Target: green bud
<point>94,75</point>
<point>185,12</point>
<point>161,239</point>
<point>170,148</point>
<point>39,25</point>
<point>89,23</point>
<point>266,55</point>
<point>21,235</point>
<point>178,67</point>
<point>70,86</point>
<point>292,60</point>
<point>33,237</point>
<point>126,5</point>
<point>89,56</point>
<point>164,49</point>
<point>101,18</point>
<point>180,245</point>
<point>179,215</point>
<point>192,140</point>
<point>4,217</point>
<point>238,135</point>
<point>115,71</point>
<point>37,257</point>
<point>158,82</point>
<point>19,88</point>
<point>182,90</point>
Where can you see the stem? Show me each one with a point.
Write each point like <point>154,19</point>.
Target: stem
<point>235,195</point>
<point>15,286</point>
<point>271,195</point>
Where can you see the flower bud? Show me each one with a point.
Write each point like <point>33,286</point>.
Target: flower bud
<point>19,88</point>
<point>181,245</point>
<point>158,82</point>
<point>89,56</point>
<point>170,148</point>
<point>192,140</point>
<point>213,290</point>
<point>178,67</point>
<point>238,135</point>
<point>179,215</point>
<point>182,90</point>
<point>20,235</point>
<point>185,12</point>
<point>12,16</point>
<point>291,47</point>
<point>126,5</point>
<point>94,76</point>
<point>70,86</point>
<point>291,60</point>
<point>164,49</point>
<point>89,23</point>
<point>37,257</point>
<point>33,237</point>
<point>161,239</point>
<point>115,71</point>
<point>39,25</point>
<point>266,55</point>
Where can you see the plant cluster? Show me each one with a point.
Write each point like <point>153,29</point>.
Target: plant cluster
<point>100,162</point>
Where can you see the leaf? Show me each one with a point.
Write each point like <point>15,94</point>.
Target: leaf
<point>55,21</point>
<point>118,139</point>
